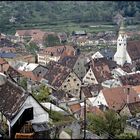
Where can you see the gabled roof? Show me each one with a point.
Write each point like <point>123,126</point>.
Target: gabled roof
<point>133,48</point>
<point>12,98</point>
<point>68,61</point>
<point>12,72</point>
<point>116,97</point>
<point>101,68</point>
<point>131,79</point>
<point>56,74</point>
<point>75,107</point>
<point>30,75</point>
<point>58,50</point>
<point>87,90</point>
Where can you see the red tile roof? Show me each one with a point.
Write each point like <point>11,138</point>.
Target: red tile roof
<point>30,75</point>
<point>116,98</point>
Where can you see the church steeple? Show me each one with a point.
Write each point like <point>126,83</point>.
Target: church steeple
<point>122,28</point>
<point>121,56</point>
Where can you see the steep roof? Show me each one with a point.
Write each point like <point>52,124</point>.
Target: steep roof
<point>116,97</point>
<point>131,79</point>
<point>87,90</point>
<point>101,68</point>
<point>133,48</point>
<point>56,74</point>
<point>58,50</point>
<point>68,61</point>
<point>11,98</point>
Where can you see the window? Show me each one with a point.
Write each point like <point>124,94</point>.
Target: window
<point>77,84</point>
<point>77,89</point>
<point>120,44</point>
<point>65,86</point>
<point>90,74</point>
<point>78,63</point>
<point>69,90</point>
<point>74,79</point>
<point>92,78</point>
<point>87,78</point>
<point>68,80</point>
<point>69,75</point>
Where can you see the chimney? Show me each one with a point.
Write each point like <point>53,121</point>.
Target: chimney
<point>128,92</point>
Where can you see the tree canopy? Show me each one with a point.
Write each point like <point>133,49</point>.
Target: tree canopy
<point>109,124</point>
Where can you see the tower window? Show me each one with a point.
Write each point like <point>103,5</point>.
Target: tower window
<point>120,44</point>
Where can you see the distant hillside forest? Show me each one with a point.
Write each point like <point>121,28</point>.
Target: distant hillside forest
<point>55,12</point>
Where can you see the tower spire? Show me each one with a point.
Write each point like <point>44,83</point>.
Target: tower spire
<point>122,28</point>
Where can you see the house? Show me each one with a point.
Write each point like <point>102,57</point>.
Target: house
<point>133,126</point>
<point>90,91</point>
<point>3,64</point>
<point>131,110</point>
<point>60,77</point>
<point>127,51</point>
<point>17,107</point>
<point>62,37</point>
<point>54,53</point>
<point>75,108</point>
<point>107,53</point>
<point>111,83</point>
<point>99,71</point>
<point>115,98</point>
<point>131,79</point>
<point>76,63</point>
<point>79,33</point>
<point>33,35</point>
<point>7,56</point>
<point>29,58</point>
<point>8,49</point>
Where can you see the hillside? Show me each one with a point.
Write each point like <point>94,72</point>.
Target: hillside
<point>61,12</point>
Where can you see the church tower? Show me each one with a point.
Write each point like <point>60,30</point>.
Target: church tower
<point>121,56</point>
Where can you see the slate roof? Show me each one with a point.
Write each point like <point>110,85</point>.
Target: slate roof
<point>12,98</point>
<point>68,61</point>
<point>133,48</point>
<point>12,72</point>
<point>131,79</point>
<point>107,52</point>
<point>59,95</point>
<point>7,55</point>
<point>87,90</point>
<point>102,69</point>
<point>56,74</point>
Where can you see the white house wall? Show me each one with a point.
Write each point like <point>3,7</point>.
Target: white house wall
<point>40,115</point>
<point>100,100</point>
<point>90,77</point>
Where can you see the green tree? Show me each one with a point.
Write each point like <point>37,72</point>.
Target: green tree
<point>109,123</point>
<point>126,136</point>
<point>52,40</point>
<point>43,94</point>
<point>23,83</point>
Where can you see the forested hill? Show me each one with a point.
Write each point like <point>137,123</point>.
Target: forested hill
<point>65,11</point>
